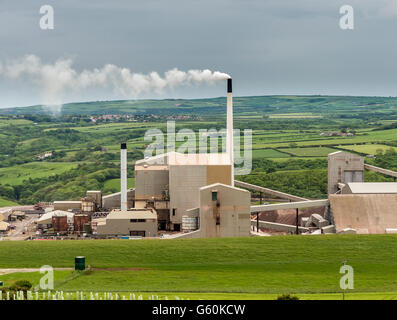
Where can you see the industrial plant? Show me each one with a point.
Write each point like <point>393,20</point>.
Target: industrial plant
<point>195,195</point>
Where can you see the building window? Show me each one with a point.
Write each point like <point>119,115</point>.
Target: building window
<point>173,212</point>
<point>214,195</point>
<point>137,233</point>
<point>137,220</point>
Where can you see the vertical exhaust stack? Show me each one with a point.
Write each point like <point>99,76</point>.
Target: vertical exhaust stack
<point>229,126</point>
<point>123,176</point>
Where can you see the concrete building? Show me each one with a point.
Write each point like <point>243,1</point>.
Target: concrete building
<point>344,167</point>
<point>139,222</point>
<point>224,211</point>
<point>362,207</point>
<point>365,213</point>
<point>67,205</point>
<point>96,197</point>
<point>170,183</point>
<point>113,201</point>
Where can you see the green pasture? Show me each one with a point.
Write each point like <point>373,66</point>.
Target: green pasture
<point>368,148</point>
<point>17,174</point>
<point>224,266</point>
<point>309,152</point>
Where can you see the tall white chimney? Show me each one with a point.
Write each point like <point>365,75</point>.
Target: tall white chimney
<point>123,176</point>
<point>229,126</point>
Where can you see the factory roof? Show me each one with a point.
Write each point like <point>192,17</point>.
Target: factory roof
<point>217,184</point>
<point>373,187</point>
<point>67,202</point>
<point>177,158</point>
<point>47,217</point>
<point>133,214</point>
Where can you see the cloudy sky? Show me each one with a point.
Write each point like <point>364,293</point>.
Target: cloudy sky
<point>267,46</point>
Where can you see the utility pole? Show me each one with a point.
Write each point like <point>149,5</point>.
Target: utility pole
<point>257,222</point>
<point>297,220</point>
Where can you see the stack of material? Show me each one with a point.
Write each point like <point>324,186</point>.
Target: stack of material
<point>316,220</point>
<point>4,226</point>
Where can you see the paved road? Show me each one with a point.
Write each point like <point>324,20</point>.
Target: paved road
<point>20,225</point>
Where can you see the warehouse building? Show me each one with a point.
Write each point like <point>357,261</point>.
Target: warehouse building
<point>138,222</point>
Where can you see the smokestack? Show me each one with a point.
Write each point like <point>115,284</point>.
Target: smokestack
<point>229,126</point>
<point>123,176</point>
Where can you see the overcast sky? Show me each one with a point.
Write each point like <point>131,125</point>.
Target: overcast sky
<point>267,46</point>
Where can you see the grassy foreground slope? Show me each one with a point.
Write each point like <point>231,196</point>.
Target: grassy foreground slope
<point>296,264</point>
<point>5,203</point>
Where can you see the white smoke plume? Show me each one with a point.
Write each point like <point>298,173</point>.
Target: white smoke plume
<point>57,79</point>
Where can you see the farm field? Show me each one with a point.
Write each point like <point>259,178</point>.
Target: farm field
<point>235,266</point>
<point>290,135</point>
<point>368,148</point>
<point>17,174</point>
<point>268,153</point>
<point>113,185</point>
<point>294,116</point>
<point>309,152</point>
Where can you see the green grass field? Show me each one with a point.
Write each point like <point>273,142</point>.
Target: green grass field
<point>228,267</point>
<point>6,203</point>
<point>115,184</point>
<point>309,152</point>
<point>268,153</point>
<point>368,148</point>
<point>17,174</point>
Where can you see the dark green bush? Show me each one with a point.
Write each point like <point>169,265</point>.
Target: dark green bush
<point>287,297</point>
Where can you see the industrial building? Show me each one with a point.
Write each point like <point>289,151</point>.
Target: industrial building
<point>177,192</point>
<point>195,195</point>
<point>139,222</point>
<point>170,183</point>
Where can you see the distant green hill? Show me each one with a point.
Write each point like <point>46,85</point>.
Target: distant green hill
<point>350,107</point>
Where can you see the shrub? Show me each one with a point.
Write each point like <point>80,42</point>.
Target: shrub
<point>287,297</point>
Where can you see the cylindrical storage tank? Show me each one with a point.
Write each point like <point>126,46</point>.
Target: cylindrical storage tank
<point>79,221</point>
<point>60,223</point>
<point>79,263</point>
<point>189,223</point>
